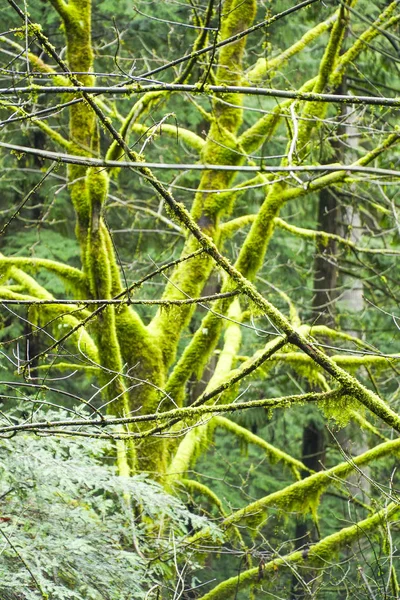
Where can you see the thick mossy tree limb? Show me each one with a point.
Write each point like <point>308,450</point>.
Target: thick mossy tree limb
<point>354,387</point>
<point>255,246</point>
<point>251,258</point>
<point>88,189</point>
<point>220,148</point>
<point>199,438</point>
<point>73,278</point>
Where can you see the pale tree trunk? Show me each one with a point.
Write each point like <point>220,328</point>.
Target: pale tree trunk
<point>352,439</point>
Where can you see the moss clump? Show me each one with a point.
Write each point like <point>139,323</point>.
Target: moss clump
<point>342,409</point>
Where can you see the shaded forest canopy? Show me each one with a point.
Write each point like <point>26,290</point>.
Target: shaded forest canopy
<point>199,314</point>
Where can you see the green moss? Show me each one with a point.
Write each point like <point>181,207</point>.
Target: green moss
<point>238,15</point>
<point>265,67</point>
<point>73,278</point>
<point>99,271</point>
<point>97,189</point>
<point>189,277</point>
<point>57,312</point>
<point>363,42</point>
<point>196,441</point>
<point>204,490</point>
<point>220,148</point>
<point>304,495</point>
<point>320,554</point>
<point>252,253</point>
<point>143,359</point>
<point>194,141</point>
<point>274,454</point>
<point>341,410</point>
<point>196,354</point>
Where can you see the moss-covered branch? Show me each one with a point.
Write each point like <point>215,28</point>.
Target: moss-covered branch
<point>258,133</point>
<point>59,315</point>
<point>348,361</point>
<point>51,133</point>
<point>194,141</point>
<point>198,439</point>
<point>321,554</point>
<point>220,148</point>
<point>131,121</point>
<point>204,490</point>
<point>61,7</point>
<point>274,454</point>
<point>74,278</point>
<point>36,61</point>
<point>267,67</point>
<point>304,495</point>
<point>324,237</point>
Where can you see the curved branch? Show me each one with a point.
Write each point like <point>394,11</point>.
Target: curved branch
<point>265,66</point>
<point>273,453</point>
<point>72,276</point>
<point>179,133</point>
<point>313,235</point>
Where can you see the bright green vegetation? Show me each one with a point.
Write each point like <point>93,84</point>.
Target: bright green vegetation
<point>99,267</point>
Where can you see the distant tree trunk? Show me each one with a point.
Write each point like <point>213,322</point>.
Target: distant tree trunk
<point>313,454</point>
<point>352,304</point>
<point>325,271</point>
<point>314,439</point>
<point>36,209</point>
<point>325,293</point>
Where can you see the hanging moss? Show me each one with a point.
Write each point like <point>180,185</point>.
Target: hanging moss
<point>274,454</point>
<point>321,554</point>
<point>303,496</point>
<point>341,410</point>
